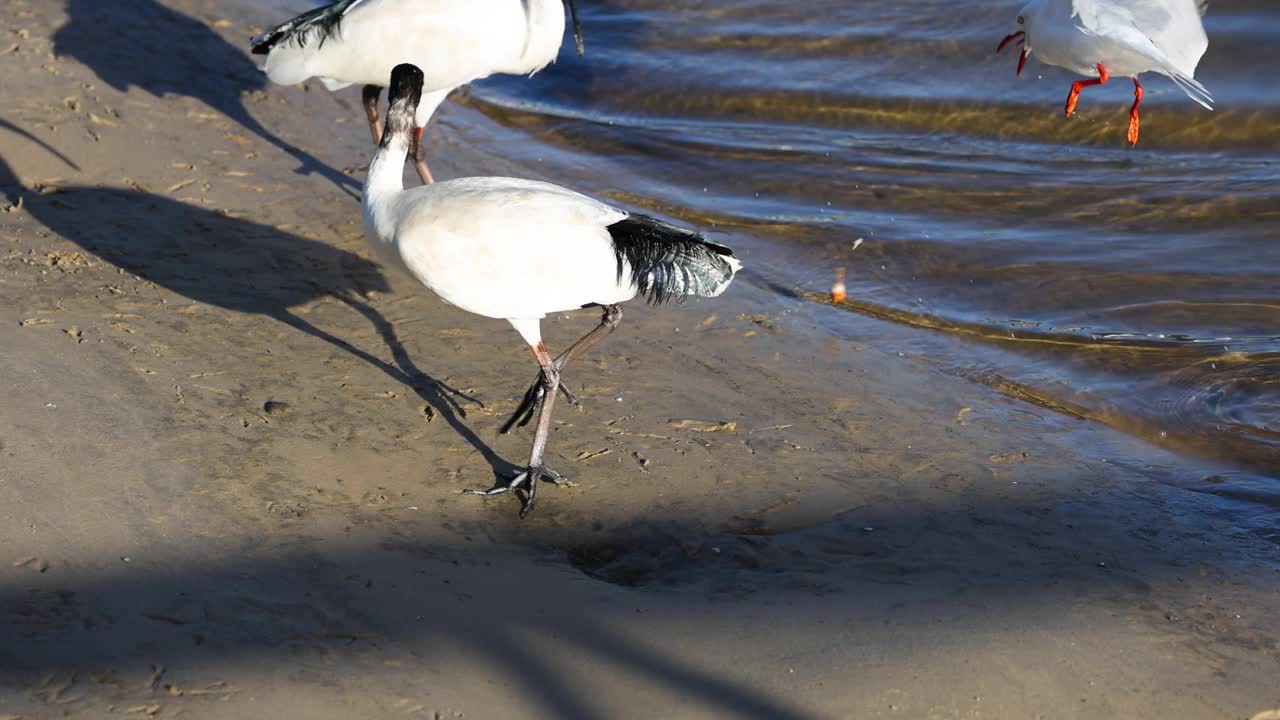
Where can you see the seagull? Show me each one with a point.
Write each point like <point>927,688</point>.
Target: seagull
<point>517,250</point>
<point>359,41</point>
<point>1116,37</point>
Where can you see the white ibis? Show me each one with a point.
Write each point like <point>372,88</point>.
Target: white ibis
<point>519,249</point>
<point>358,42</point>
<point>1116,37</point>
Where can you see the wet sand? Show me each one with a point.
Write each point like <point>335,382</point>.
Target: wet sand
<point>769,521</point>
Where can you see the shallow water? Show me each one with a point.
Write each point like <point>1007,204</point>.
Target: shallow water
<point>1135,287</point>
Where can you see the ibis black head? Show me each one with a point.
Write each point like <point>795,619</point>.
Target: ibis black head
<point>406,84</point>
<point>403,93</point>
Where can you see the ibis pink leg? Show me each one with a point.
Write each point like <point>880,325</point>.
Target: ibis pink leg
<point>420,157</point>
<point>1133,112</point>
<point>1077,86</point>
<point>369,95</point>
<point>524,413</point>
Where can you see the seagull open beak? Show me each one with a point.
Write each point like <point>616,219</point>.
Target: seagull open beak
<point>1005,42</point>
<point>1021,37</point>
<point>577,28</point>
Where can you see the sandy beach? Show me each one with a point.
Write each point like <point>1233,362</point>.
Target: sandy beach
<point>233,446</point>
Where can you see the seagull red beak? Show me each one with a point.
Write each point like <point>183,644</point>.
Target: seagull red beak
<point>1021,37</point>
<point>1005,42</point>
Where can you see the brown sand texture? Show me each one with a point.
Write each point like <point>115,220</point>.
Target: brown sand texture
<point>231,448</point>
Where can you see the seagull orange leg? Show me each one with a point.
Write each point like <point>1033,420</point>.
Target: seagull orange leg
<point>1074,96</point>
<point>1133,112</point>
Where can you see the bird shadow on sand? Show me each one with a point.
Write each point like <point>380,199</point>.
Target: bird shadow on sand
<point>203,619</point>
<point>375,602</point>
<point>237,265</point>
<point>145,44</point>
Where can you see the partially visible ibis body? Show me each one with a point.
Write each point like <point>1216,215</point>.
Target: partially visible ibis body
<point>358,42</point>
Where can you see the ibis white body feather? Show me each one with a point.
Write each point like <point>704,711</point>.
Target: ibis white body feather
<point>501,247</point>
<point>458,40</point>
<point>1128,37</point>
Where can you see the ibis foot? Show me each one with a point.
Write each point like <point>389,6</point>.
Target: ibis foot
<point>528,480</point>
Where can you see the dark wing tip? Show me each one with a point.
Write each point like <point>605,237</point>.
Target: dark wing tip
<point>320,24</point>
<point>262,44</point>
<point>717,249</point>
<point>668,261</point>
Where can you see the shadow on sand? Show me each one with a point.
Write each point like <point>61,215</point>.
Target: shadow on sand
<point>361,612</point>
<point>234,264</point>
<point>145,44</point>
<point>402,609</point>
<point>195,616</point>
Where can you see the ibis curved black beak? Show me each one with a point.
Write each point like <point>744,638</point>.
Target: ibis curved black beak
<point>577,28</point>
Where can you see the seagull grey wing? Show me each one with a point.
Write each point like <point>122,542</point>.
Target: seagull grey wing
<point>1168,32</point>
<point>1175,27</point>
<point>319,24</point>
<point>1086,13</point>
<point>1116,19</point>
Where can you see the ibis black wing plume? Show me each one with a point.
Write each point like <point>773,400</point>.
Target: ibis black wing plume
<point>319,24</point>
<point>668,262</point>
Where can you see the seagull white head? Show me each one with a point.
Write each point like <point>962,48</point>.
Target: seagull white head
<point>1022,33</point>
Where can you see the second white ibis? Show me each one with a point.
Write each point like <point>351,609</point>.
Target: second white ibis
<point>353,42</point>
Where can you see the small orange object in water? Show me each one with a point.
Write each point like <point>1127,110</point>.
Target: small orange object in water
<point>837,290</point>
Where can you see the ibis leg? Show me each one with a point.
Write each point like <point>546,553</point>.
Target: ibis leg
<point>535,471</point>
<point>524,413</point>
<point>529,403</point>
<point>1133,112</point>
<point>369,94</point>
<point>420,157</point>
<point>1074,96</point>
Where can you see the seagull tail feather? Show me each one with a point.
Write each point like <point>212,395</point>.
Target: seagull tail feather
<point>1194,90</point>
